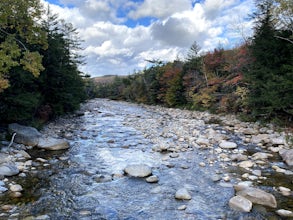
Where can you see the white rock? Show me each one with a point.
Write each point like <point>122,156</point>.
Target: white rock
<point>246,164</point>
<point>138,170</point>
<point>16,188</point>
<point>228,145</point>
<point>152,179</point>
<point>284,191</point>
<point>182,194</point>
<point>284,213</point>
<point>240,203</point>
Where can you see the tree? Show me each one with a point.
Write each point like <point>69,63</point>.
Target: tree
<point>61,83</point>
<point>19,28</point>
<point>271,74</point>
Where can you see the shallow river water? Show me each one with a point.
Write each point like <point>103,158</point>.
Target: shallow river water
<point>87,181</point>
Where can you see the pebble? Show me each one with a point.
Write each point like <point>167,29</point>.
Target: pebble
<point>182,207</point>
<point>152,179</point>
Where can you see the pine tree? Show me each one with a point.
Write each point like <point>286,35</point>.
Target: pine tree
<point>270,76</point>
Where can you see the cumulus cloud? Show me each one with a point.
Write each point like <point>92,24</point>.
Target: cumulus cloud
<point>159,9</point>
<point>112,46</point>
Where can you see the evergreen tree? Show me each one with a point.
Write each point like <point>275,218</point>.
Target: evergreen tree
<point>61,82</point>
<point>270,76</point>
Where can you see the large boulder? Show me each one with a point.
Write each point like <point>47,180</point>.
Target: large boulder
<point>258,196</point>
<point>25,135</point>
<point>50,143</point>
<point>287,156</point>
<point>138,170</point>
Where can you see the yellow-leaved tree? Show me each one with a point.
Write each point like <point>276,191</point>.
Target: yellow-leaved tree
<point>20,37</point>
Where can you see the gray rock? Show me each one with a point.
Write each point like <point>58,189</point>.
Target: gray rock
<point>228,145</point>
<point>240,203</point>
<point>138,170</point>
<point>3,189</point>
<point>287,156</point>
<point>8,170</point>
<point>182,194</point>
<point>53,144</point>
<point>25,135</point>
<point>258,196</point>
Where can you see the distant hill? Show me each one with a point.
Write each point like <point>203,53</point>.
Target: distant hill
<point>105,79</point>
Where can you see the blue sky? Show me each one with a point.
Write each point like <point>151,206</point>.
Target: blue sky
<point>119,35</point>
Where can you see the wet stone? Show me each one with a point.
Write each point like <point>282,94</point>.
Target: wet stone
<point>152,179</point>
<point>138,170</point>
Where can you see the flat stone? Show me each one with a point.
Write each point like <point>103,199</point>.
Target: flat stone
<point>228,145</point>
<point>284,213</point>
<point>258,196</point>
<point>138,170</point>
<point>240,203</point>
<point>182,194</point>
<point>53,144</point>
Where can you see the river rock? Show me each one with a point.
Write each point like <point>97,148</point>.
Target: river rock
<point>50,143</point>
<point>261,156</point>
<point>25,135</point>
<point>246,164</point>
<point>228,145</point>
<point>152,179</point>
<point>3,189</point>
<point>258,196</point>
<point>8,170</point>
<point>16,188</point>
<point>138,170</point>
<point>182,194</point>
<point>285,213</point>
<point>278,141</point>
<point>240,203</point>
<point>287,156</point>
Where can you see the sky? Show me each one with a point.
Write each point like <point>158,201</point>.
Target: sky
<point>119,36</point>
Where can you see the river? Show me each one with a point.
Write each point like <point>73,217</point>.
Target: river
<point>87,181</point>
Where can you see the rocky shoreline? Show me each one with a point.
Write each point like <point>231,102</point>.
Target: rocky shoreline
<point>244,155</point>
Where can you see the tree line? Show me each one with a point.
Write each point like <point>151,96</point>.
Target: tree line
<point>39,76</point>
<point>254,79</point>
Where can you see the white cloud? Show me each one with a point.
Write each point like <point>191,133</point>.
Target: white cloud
<point>159,9</point>
<point>112,47</point>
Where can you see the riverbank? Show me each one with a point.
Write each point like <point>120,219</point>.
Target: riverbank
<point>200,154</point>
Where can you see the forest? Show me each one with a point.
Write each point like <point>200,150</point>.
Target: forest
<point>253,80</point>
<point>40,77</point>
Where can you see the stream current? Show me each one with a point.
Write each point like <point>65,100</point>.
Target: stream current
<point>87,181</point>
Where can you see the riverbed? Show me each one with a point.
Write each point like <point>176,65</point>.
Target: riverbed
<point>88,181</point>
